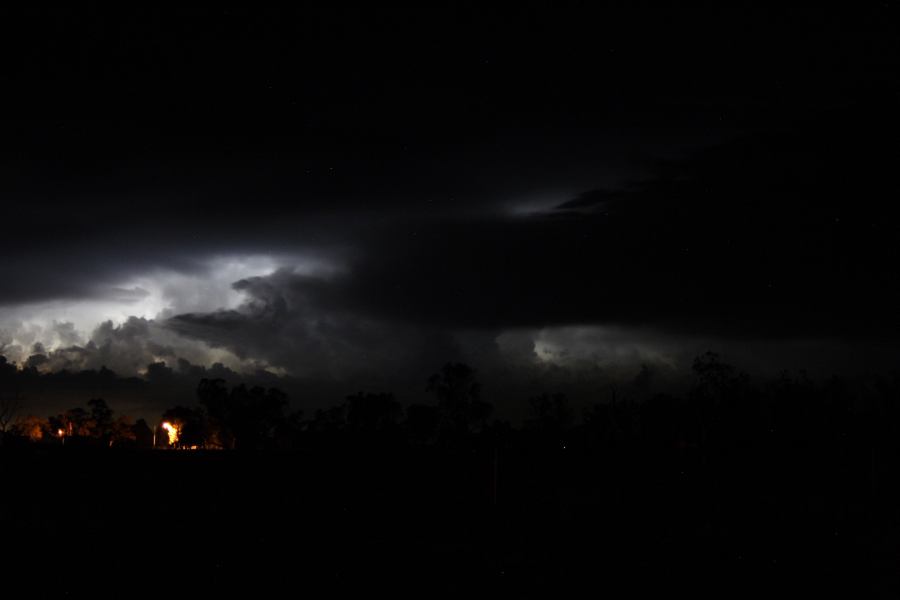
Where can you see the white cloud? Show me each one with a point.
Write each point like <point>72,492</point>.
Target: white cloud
<point>143,298</point>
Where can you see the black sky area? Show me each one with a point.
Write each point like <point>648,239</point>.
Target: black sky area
<point>717,173</point>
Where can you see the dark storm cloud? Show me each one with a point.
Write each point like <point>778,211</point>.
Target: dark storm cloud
<point>288,322</point>
<point>781,234</point>
<point>446,164</point>
<point>57,271</point>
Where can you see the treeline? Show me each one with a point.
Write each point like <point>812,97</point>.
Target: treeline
<point>724,409</point>
<point>258,418</point>
<point>95,425</point>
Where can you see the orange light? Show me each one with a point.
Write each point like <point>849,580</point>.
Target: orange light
<point>172,431</point>
<point>60,432</point>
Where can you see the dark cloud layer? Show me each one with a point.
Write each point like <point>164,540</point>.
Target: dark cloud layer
<point>787,234</point>
<point>446,183</point>
<point>288,324</point>
<point>173,138</point>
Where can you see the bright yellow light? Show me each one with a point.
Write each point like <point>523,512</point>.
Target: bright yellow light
<point>172,430</point>
<point>60,432</point>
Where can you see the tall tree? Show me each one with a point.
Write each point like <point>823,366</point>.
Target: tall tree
<point>458,395</point>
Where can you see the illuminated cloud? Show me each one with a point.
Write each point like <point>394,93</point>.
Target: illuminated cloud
<point>119,327</point>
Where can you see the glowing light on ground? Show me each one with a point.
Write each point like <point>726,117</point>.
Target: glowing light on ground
<point>172,431</point>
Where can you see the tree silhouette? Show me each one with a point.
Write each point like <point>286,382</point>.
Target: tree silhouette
<point>421,422</point>
<point>372,412</point>
<point>241,418</point>
<point>213,396</point>
<point>289,430</point>
<point>100,422</point>
<point>330,420</point>
<point>713,375</point>
<point>10,397</point>
<point>75,422</point>
<point>459,397</point>
<point>550,413</point>
<point>143,435</point>
<point>728,408</point>
<point>10,407</point>
<point>255,412</point>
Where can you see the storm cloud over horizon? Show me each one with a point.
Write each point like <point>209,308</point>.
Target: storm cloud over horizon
<point>527,207</point>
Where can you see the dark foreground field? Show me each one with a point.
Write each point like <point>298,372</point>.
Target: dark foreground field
<point>381,516</point>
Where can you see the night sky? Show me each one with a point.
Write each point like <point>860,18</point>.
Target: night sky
<point>341,199</point>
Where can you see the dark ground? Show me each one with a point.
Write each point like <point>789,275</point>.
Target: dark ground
<point>352,514</point>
